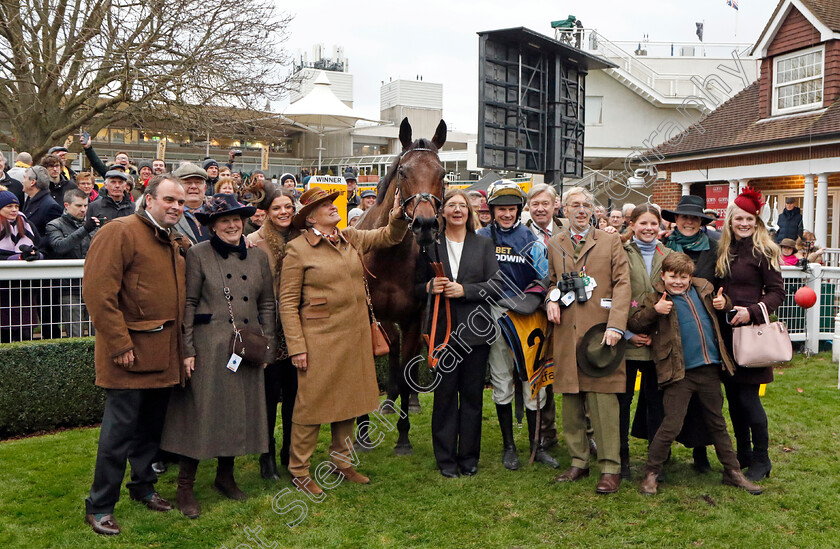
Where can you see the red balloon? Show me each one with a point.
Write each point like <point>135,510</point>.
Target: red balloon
<point>805,297</point>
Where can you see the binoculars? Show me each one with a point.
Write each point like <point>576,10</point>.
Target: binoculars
<point>572,282</point>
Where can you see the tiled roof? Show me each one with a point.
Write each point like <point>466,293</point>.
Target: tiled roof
<point>827,11</point>
<point>736,125</point>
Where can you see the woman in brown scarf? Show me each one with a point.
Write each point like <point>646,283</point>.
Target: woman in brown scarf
<point>281,376</point>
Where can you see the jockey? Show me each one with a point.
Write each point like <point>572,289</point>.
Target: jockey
<point>522,259</point>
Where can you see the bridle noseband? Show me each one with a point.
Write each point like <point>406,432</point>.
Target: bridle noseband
<point>417,198</point>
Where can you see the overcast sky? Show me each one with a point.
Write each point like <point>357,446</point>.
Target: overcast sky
<point>437,38</point>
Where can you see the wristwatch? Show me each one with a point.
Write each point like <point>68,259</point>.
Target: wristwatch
<point>554,295</point>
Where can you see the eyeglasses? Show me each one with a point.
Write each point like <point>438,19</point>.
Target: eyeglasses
<point>577,206</point>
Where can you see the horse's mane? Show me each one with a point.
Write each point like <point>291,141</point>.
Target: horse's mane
<point>385,182</point>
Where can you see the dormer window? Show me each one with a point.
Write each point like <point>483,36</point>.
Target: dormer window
<point>798,81</point>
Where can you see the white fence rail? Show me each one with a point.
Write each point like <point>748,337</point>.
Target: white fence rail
<point>43,300</point>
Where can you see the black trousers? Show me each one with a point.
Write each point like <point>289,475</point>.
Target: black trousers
<point>456,414</point>
<point>131,429</point>
<point>749,420</point>
<point>649,406</point>
<point>281,384</point>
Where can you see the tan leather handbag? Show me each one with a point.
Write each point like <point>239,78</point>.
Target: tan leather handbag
<point>761,345</point>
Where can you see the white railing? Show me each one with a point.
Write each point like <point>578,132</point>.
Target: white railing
<point>43,299</point>
<point>630,58</point>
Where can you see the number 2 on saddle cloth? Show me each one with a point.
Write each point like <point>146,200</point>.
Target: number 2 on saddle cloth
<point>431,337</point>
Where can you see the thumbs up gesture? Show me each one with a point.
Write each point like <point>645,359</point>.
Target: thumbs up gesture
<point>664,305</point>
<point>719,302</point>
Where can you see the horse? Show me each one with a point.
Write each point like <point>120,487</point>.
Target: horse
<point>418,175</point>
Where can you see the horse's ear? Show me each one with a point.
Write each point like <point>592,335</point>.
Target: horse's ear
<point>405,133</point>
<point>440,135</point>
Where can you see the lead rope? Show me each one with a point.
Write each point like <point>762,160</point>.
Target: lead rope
<point>439,272</point>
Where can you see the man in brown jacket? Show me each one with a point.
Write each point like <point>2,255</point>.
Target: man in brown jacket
<point>134,291</point>
<point>598,258</point>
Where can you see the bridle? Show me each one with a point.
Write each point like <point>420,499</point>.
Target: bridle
<point>417,198</point>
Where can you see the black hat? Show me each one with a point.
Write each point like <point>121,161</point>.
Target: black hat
<point>596,359</point>
<point>349,175</point>
<point>368,193</point>
<point>688,205</point>
<point>209,162</point>
<point>222,204</point>
<point>286,176</point>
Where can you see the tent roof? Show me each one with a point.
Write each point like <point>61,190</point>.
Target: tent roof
<point>321,109</point>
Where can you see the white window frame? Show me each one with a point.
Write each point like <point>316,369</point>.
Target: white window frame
<point>775,86</point>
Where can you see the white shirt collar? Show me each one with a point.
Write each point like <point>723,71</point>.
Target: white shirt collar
<point>156,224</point>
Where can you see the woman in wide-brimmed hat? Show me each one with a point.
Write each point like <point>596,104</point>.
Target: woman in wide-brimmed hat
<point>280,377</point>
<point>325,319</point>
<point>220,413</point>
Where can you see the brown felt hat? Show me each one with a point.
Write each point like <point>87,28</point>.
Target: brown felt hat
<point>310,200</point>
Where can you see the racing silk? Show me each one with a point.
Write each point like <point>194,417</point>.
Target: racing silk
<point>521,256</point>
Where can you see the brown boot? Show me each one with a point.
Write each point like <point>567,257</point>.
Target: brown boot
<point>225,483</point>
<point>353,475</point>
<point>734,477</point>
<point>306,484</point>
<point>184,497</point>
<point>649,484</point>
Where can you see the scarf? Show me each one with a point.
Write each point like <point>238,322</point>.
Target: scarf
<point>224,249</point>
<point>647,249</point>
<point>680,243</point>
<point>277,238</point>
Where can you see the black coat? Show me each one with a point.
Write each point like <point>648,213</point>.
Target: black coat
<point>106,208</point>
<point>704,262</point>
<point>40,210</point>
<point>14,186</point>
<point>68,238</point>
<point>57,190</point>
<point>790,224</point>
<point>478,274</point>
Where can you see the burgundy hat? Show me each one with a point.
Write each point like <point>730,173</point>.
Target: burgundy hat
<point>750,201</point>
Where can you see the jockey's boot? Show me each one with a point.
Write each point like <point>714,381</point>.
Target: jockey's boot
<point>540,456</point>
<point>509,458</point>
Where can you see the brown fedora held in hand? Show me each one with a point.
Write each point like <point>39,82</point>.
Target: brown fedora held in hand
<point>596,359</point>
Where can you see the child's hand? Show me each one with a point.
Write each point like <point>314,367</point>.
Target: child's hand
<point>663,306</point>
<point>719,302</point>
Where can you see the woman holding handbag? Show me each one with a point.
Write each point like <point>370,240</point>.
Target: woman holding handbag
<point>468,262</point>
<point>325,317</point>
<point>229,337</point>
<point>280,376</point>
<point>748,270</point>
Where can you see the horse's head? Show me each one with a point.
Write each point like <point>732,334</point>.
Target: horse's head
<point>419,175</point>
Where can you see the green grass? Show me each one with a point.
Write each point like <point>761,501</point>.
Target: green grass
<point>44,480</point>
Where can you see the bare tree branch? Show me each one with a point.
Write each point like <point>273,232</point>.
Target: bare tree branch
<point>71,64</point>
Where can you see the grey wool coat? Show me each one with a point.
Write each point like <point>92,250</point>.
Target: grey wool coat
<point>219,412</point>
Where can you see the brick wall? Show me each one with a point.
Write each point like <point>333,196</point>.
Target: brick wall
<point>794,34</point>
<point>831,83</point>
<point>765,88</point>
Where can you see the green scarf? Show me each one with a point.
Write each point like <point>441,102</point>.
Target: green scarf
<point>681,243</point>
